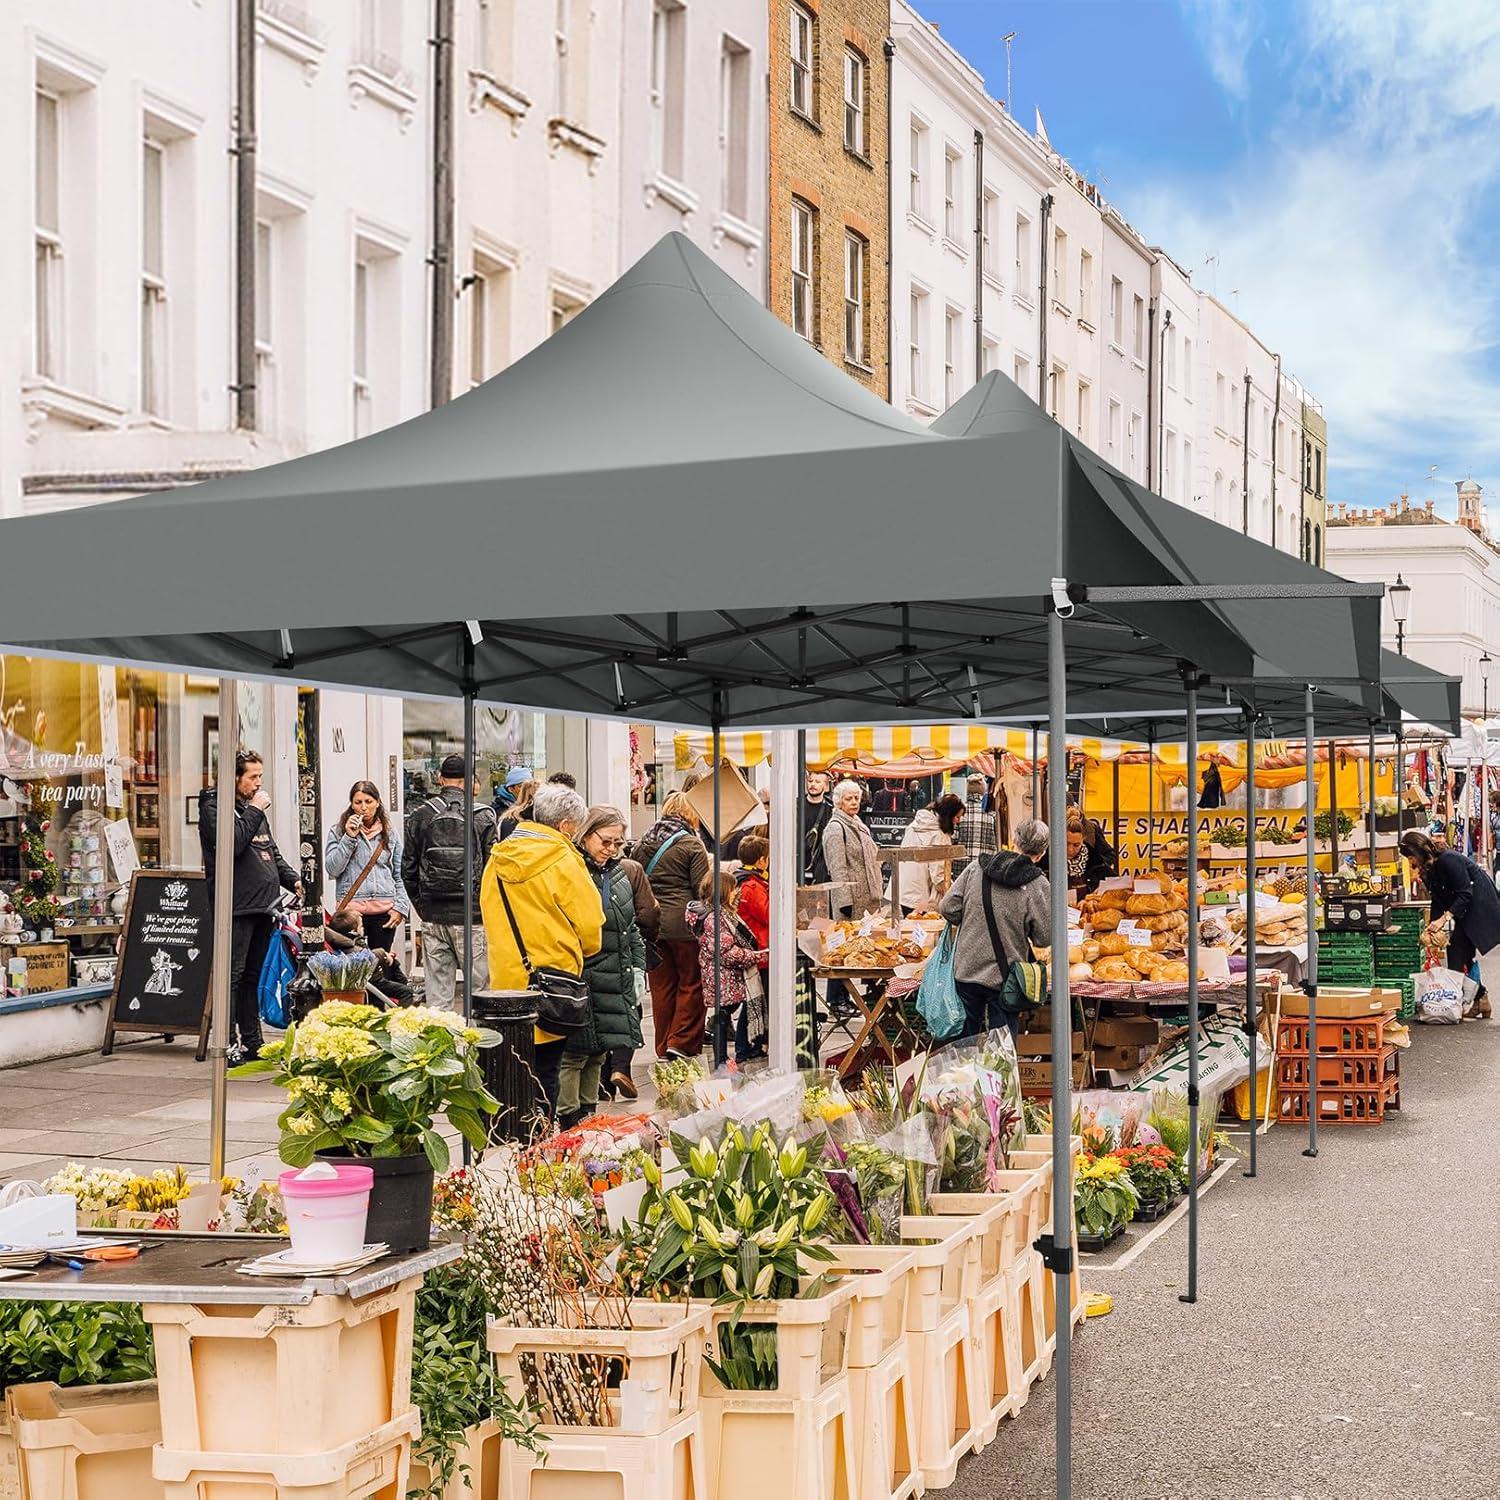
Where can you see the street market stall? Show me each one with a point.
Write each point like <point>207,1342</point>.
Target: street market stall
<point>701,409</point>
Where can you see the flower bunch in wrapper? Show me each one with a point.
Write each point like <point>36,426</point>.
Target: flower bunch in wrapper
<point>344,973</point>
<point>1104,1198</point>
<point>100,1191</point>
<point>875,1177</point>
<point>973,1091</point>
<point>676,1080</point>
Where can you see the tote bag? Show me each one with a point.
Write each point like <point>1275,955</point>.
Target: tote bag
<point>938,1004</point>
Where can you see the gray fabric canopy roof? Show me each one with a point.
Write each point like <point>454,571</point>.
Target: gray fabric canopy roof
<point>676,509</point>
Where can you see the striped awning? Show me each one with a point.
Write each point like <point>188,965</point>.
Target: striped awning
<point>894,750</point>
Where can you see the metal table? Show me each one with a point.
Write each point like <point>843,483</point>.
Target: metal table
<point>200,1269</point>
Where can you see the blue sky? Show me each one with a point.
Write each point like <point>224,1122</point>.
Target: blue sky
<point>1339,158</point>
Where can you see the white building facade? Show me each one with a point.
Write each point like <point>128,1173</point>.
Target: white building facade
<point>1454,576</point>
<point>966,222</point>
<point>692,131</point>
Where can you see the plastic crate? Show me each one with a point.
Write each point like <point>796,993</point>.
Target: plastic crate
<point>951,1419</point>
<point>662,1351</point>
<point>89,1442</point>
<point>1345,1106</point>
<point>884,1277</point>
<point>883,1408</point>
<point>600,1464</point>
<point>1336,1036</point>
<point>1358,1070</point>
<point>282,1380</point>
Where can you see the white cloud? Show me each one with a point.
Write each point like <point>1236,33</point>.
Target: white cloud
<point>1224,32</point>
<point>1356,228</point>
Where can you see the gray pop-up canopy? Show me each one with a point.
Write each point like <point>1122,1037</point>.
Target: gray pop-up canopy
<point>676,509</point>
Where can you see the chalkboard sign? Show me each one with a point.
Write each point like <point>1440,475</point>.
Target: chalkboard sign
<point>888,829</point>
<point>161,981</point>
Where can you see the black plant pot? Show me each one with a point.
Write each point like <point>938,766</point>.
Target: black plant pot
<point>400,1200</point>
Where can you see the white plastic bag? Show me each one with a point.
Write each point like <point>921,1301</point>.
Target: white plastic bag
<point>1439,995</point>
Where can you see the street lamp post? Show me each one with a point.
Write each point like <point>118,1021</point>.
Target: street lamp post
<point>1400,595</point>
<point>1483,841</point>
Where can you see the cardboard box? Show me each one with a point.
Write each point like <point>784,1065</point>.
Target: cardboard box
<point>1341,1004</point>
<point>1039,1044</point>
<point>737,799</point>
<point>1118,1057</point>
<point>46,965</point>
<point>1126,1031</point>
<point>1038,1075</point>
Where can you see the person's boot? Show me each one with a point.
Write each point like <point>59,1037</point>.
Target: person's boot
<point>622,1082</point>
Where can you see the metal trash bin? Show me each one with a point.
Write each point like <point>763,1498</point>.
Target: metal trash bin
<point>510,1067</point>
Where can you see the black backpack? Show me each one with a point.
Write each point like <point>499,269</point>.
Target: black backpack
<point>440,867</point>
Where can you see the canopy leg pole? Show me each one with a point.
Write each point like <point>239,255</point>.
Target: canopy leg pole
<point>1310,730</point>
<point>786,852</point>
<point>1400,800</point>
<point>1370,764</point>
<point>807,1048</point>
<point>469,871</point>
<point>1061,1249</point>
<point>1333,805</point>
<point>1191,683</point>
<point>1150,799</point>
<point>1119,858</point>
<point>1252,993</point>
<point>220,1016</point>
<point>1036,776</point>
<point>716,907</point>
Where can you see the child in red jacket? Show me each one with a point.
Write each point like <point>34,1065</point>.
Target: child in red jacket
<point>753,879</point>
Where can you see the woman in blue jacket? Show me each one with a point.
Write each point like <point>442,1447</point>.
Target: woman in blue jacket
<point>363,855</point>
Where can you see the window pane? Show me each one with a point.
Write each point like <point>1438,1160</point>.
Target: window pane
<point>478,328</point>
<point>46,163</point>
<point>151,209</point>
<point>46,310</point>
<point>361,320</point>
<point>263,287</point>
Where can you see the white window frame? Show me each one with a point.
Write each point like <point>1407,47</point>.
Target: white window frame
<point>1138,328</point>
<point>1134,455</point>
<point>952,191</point>
<point>563,307</point>
<point>854,102</point>
<point>1187,470</point>
<point>1081,419</point>
<point>47,286</point>
<point>1024,263</point>
<point>1060,265</point>
<point>917,137</point>
<point>1117,312</point>
<point>266,406</point>
<point>803,42</point>
<point>1086,285</point>
<point>989,232</point>
<point>916,361</point>
<point>1171,358</point>
<point>989,355</point>
<point>1187,368</point>
<point>1113,431</point>
<point>154,334</point>
<point>803,230</point>
<point>856,271</point>
<point>734,56</point>
<point>1021,373</point>
<point>952,350</point>
<point>363,387</point>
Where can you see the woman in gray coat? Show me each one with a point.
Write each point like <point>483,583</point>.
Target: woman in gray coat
<point>851,856</point>
<point>1001,906</point>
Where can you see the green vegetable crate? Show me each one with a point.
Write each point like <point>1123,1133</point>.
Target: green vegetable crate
<point>1346,958</point>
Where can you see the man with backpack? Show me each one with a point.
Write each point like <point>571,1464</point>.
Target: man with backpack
<point>432,869</point>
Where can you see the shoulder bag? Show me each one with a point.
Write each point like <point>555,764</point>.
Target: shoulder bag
<point>562,999</point>
<point>360,879</point>
<point>1021,982</point>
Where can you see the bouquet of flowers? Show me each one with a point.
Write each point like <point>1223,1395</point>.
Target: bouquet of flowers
<point>344,973</point>
<point>879,1176</point>
<point>1104,1199</point>
<point>99,1191</point>
<point>975,1096</point>
<point>677,1080</point>
<point>892,1117</point>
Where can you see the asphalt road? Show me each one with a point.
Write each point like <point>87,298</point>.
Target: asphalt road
<point>1346,1340</point>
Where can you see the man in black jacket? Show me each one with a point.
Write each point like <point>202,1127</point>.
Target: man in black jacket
<point>260,875</point>
<point>432,869</point>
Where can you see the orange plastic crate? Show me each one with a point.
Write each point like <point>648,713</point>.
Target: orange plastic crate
<point>1336,1036</point>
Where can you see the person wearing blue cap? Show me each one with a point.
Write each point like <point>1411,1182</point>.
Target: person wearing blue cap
<point>505,795</point>
<point>522,788</point>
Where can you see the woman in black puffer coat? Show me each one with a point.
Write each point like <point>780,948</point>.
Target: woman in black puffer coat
<point>614,1009</point>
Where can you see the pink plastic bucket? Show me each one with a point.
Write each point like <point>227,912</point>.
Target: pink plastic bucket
<point>326,1217</point>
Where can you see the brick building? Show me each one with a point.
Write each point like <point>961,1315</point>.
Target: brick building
<point>829,207</point>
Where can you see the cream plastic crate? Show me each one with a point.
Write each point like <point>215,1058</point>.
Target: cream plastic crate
<point>883,1284</point>
<point>374,1467</point>
<point>282,1380</point>
<point>997,1352</point>
<point>764,1443</point>
<point>10,1473</point>
<point>578,1463</point>
<point>950,1406</point>
<point>1028,1300</point>
<point>883,1409</point>
<point>795,1441</point>
<point>87,1442</point>
<point>996,1214</point>
<point>661,1352</point>
<point>476,1474</point>
<point>947,1268</point>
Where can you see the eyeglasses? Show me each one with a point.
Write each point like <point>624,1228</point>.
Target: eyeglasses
<point>605,843</point>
